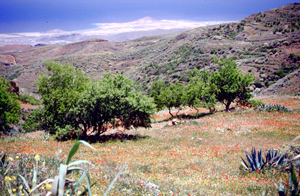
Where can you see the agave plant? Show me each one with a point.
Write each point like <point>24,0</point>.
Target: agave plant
<point>273,107</point>
<point>61,185</point>
<point>273,157</point>
<point>256,161</point>
<point>292,187</point>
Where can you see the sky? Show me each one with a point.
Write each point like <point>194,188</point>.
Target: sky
<point>70,15</point>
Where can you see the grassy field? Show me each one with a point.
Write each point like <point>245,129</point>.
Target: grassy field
<point>198,156</point>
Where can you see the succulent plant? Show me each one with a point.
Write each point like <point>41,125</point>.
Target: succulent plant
<point>256,160</point>
<point>273,157</point>
<point>273,107</point>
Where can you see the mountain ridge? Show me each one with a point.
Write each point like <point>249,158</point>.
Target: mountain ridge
<point>261,44</point>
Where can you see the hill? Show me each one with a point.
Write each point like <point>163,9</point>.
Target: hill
<point>265,44</point>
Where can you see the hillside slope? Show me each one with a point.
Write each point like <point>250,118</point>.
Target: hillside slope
<point>266,44</point>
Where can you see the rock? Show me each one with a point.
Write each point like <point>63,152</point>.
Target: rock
<point>174,121</point>
<point>199,139</point>
<point>14,131</point>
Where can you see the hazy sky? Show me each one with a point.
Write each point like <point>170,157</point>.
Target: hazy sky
<point>44,15</point>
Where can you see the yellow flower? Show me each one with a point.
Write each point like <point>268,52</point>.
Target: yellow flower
<point>9,191</point>
<point>48,187</point>
<point>14,190</point>
<point>10,159</point>
<point>20,187</point>
<point>7,178</point>
<point>17,157</point>
<point>34,181</point>
<point>37,157</point>
<point>13,178</point>
<point>44,164</point>
<point>79,192</point>
<point>42,188</point>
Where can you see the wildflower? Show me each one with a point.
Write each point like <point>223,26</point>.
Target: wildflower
<point>44,164</point>
<point>20,187</point>
<point>9,191</point>
<point>10,159</point>
<point>13,178</point>
<point>48,187</point>
<point>79,192</point>
<point>14,190</point>
<point>7,178</point>
<point>37,157</point>
<point>17,157</point>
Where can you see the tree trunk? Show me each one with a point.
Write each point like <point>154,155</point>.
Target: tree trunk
<point>170,113</point>
<point>227,105</point>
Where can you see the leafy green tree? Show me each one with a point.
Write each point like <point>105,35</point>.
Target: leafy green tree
<point>59,90</point>
<point>9,106</point>
<point>198,92</point>
<point>168,96</point>
<point>113,100</point>
<point>230,84</point>
<point>72,101</point>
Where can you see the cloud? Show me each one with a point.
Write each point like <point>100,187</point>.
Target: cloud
<point>147,24</point>
<point>108,31</point>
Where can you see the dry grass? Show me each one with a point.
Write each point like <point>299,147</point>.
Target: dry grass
<point>196,157</point>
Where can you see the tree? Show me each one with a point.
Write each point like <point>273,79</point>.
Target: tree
<point>230,84</point>
<point>59,91</point>
<point>72,101</point>
<point>168,96</point>
<point>113,100</point>
<point>198,91</point>
<point>9,106</point>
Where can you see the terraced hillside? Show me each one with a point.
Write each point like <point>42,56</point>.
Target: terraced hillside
<point>266,44</point>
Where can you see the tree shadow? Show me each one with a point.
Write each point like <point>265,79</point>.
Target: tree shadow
<point>123,137</point>
<point>187,116</point>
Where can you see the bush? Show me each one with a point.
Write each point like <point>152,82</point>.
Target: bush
<point>34,120</point>
<point>29,99</point>
<point>255,103</point>
<point>273,108</point>
<point>9,106</point>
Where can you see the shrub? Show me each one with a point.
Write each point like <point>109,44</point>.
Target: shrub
<point>255,103</point>
<point>9,106</point>
<point>273,108</point>
<point>29,99</point>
